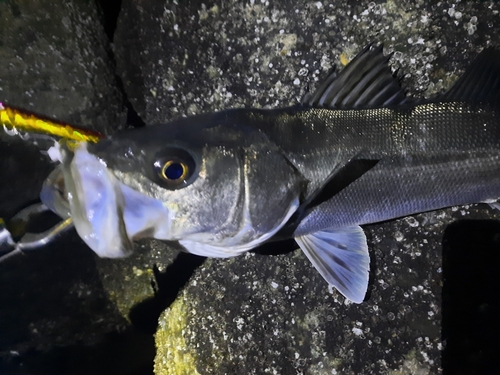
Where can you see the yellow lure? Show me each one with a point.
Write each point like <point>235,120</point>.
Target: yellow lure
<point>18,119</point>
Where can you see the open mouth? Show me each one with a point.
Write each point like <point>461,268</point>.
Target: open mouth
<point>107,214</point>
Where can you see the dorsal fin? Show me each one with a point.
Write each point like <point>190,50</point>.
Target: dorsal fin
<point>366,82</point>
<point>481,81</point>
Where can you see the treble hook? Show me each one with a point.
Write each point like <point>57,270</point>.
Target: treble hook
<point>29,241</point>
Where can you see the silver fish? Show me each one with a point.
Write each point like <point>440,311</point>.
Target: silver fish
<point>356,151</point>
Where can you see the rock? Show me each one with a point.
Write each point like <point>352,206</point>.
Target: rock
<point>56,62</point>
<point>267,311</point>
<point>274,314</point>
<point>262,314</point>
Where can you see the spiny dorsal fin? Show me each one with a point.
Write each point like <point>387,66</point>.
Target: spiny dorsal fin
<point>481,81</point>
<point>366,82</point>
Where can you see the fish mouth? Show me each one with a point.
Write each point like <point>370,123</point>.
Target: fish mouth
<point>107,214</point>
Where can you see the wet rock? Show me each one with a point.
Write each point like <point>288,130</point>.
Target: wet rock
<point>56,62</point>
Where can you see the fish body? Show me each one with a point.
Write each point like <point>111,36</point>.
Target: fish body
<point>357,151</point>
<point>428,156</point>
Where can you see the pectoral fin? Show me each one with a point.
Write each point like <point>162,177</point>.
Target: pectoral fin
<point>341,257</point>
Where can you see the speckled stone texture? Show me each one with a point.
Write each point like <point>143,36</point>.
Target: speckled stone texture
<point>262,314</point>
<point>267,312</point>
<point>54,60</point>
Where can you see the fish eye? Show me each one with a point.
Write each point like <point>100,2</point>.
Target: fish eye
<point>174,168</point>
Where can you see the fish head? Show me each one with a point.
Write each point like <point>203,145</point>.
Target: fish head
<point>207,180</point>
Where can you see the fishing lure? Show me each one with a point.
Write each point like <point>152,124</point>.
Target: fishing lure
<point>16,121</point>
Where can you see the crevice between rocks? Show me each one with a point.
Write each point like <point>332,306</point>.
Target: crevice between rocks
<point>110,11</point>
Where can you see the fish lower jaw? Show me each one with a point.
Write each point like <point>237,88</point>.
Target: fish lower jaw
<point>204,245</point>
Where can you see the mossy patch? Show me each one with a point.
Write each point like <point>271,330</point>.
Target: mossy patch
<point>173,356</point>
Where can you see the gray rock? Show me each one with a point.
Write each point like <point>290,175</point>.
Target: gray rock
<point>54,61</point>
<point>257,313</point>
<point>274,314</point>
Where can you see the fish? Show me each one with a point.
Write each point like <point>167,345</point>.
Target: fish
<point>356,151</point>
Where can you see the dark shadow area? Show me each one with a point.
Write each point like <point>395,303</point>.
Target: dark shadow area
<point>41,305</point>
<point>17,159</point>
<point>277,247</point>
<point>471,298</point>
<point>110,10</point>
<point>373,265</point>
<point>123,353</point>
<point>144,316</point>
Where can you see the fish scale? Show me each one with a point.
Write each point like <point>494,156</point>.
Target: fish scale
<point>395,189</point>
<point>356,151</point>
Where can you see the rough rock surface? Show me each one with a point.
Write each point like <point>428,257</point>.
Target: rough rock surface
<point>274,314</point>
<point>54,61</point>
<point>259,313</point>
